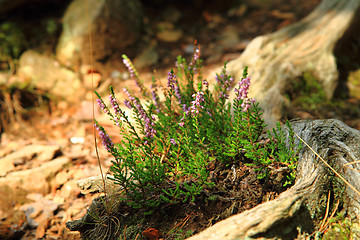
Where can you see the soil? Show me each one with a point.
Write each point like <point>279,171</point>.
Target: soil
<point>236,190</point>
<point>37,119</point>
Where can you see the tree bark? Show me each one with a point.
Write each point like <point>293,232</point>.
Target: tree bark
<point>306,46</point>
<point>296,210</point>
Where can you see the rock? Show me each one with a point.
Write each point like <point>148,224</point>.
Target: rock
<point>170,35</point>
<point>14,226</point>
<point>45,73</point>
<point>12,221</point>
<point>41,152</point>
<point>39,213</point>
<point>115,25</point>
<point>6,165</point>
<point>148,57</point>
<point>61,178</point>
<point>70,190</point>
<point>229,38</point>
<point>9,198</point>
<point>37,179</point>
<point>95,184</point>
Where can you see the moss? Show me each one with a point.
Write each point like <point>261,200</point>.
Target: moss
<point>12,41</point>
<point>312,93</point>
<point>354,84</point>
<point>342,228</point>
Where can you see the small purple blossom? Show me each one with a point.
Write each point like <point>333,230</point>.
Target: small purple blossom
<point>171,80</point>
<point>155,98</point>
<point>196,104</point>
<point>149,121</point>
<point>224,81</point>
<point>101,105</point>
<point>133,73</point>
<point>127,104</point>
<point>149,130</point>
<point>173,142</point>
<point>174,85</point>
<point>131,98</point>
<point>205,83</point>
<point>196,57</point>
<point>114,104</point>
<point>181,123</point>
<point>177,65</point>
<point>106,140</point>
<point>186,109</point>
<point>197,54</point>
<point>242,93</point>
<point>128,65</point>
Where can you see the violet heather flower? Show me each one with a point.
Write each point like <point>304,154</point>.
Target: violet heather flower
<point>133,73</point>
<point>225,82</point>
<point>149,122</point>
<point>181,123</point>
<point>129,67</point>
<point>114,104</point>
<point>205,83</point>
<point>155,98</point>
<point>127,104</point>
<point>242,93</point>
<point>101,105</point>
<point>174,85</point>
<point>173,142</point>
<point>196,57</point>
<point>106,140</point>
<point>196,104</point>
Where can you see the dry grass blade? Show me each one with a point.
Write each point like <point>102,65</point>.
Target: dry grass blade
<point>350,163</point>
<point>322,226</point>
<point>332,215</point>
<point>332,169</point>
<point>179,225</point>
<point>325,223</point>
<point>92,97</point>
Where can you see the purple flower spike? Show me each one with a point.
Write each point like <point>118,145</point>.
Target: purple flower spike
<point>106,140</point>
<point>127,104</point>
<point>205,83</point>
<point>242,93</point>
<point>114,104</point>
<point>149,121</point>
<point>173,142</point>
<point>196,104</point>
<point>197,54</point>
<point>174,85</point>
<point>101,105</point>
<point>128,65</point>
<point>225,82</point>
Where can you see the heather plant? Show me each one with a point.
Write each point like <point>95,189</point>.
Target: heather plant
<point>164,155</point>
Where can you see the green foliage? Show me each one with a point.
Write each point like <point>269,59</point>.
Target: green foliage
<point>163,156</point>
<point>341,228</point>
<point>12,41</point>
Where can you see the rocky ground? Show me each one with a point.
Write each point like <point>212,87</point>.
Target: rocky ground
<point>48,147</point>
